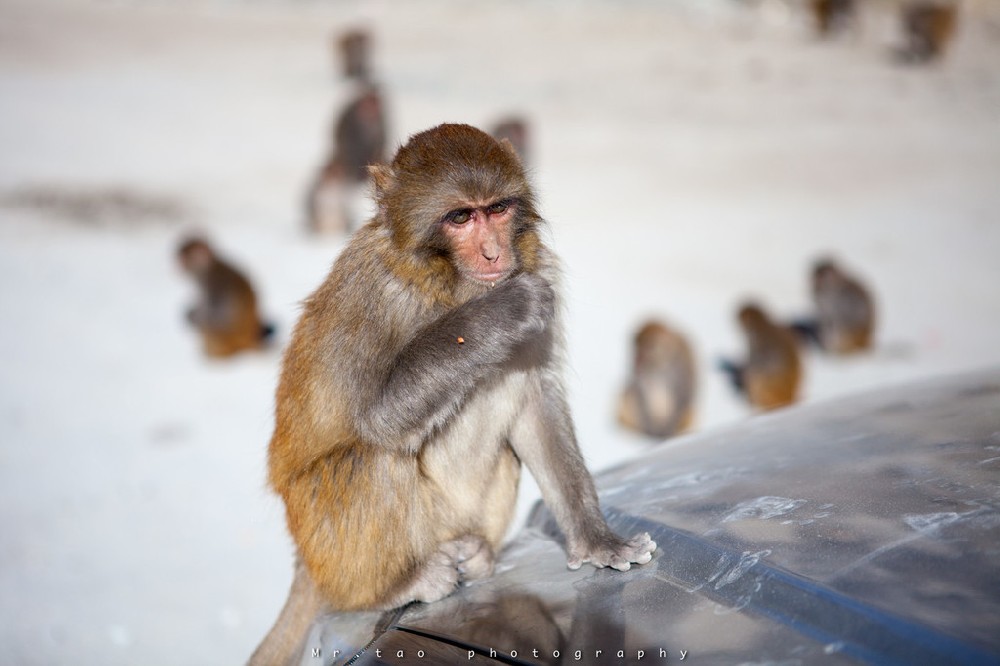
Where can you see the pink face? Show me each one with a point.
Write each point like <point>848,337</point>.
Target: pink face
<point>480,238</point>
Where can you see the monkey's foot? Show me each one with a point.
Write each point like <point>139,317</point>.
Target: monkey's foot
<point>472,556</point>
<point>464,559</point>
<point>613,552</point>
<point>436,579</point>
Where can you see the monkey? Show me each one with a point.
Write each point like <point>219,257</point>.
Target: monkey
<point>845,310</point>
<point>832,15</point>
<point>420,375</point>
<point>928,27</point>
<point>226,314</point>
<point>658,399</point>
<point>353,47</point>
<point>515,130</point>
<point>359,140</point>
<point>772,372</point>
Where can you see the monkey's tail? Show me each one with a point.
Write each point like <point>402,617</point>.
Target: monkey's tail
<point>733,371</point>
<point>284,644</point>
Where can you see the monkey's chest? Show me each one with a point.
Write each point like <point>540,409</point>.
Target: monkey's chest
<point>466,450</point>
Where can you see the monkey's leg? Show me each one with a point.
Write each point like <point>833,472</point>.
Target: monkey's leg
<point>284,643</point>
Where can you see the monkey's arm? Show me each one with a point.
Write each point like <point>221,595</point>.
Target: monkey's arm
<point>544,439</point>
<point>429,378</point>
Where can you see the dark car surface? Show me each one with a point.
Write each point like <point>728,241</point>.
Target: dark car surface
<point>862,530</point>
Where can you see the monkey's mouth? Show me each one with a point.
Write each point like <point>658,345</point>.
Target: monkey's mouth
<point>495,276</point>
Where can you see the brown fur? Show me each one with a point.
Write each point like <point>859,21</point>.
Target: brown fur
<point>831,15</point>
<point>928,28</point>
<point>658,400</point>
<point>773,370</point>
<point>359,141</point>
<point>844,308</point>
<point>226,316</point>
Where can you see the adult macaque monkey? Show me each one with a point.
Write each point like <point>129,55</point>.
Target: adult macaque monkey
<point>422,372</point>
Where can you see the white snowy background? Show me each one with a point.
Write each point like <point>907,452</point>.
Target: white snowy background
<point>688,154</point>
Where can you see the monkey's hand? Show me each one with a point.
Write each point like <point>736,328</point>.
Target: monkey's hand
<point>492,327</point>
<point>612,551</point>
<point>431,376</point>
<point>529,301</point>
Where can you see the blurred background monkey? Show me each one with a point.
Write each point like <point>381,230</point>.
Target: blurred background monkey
<point>359,140</point>
<point>226,313</point>
<point>770,376</point>
<point>845,311</point>
<point>658,399</point>
<point>928,27</point>
<point>832,15</point>
<point>421,374</point>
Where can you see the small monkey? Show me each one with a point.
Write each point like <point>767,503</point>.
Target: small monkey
<point>845,312</point>
<point>928,28</point>
<point>832,15</point>
<point>359,140</point>
<point>771,374</point>
<point>226,313</point>
<point>658,399</point>
<point>397,449</point>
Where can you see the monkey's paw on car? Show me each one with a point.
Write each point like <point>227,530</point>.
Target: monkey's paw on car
<point>618,555</point>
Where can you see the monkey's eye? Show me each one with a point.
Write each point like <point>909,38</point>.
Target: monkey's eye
<point>459,216</point>
<point>497,208</point>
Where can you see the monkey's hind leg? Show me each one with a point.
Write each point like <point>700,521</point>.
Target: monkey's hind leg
<point>466,558</point>
<point>283,645</point>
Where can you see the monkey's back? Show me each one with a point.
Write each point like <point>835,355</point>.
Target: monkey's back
<point>846,316</point>
<point>237,325</point>
<point>774,369</point>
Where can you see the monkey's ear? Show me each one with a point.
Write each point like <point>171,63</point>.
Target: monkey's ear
<point>509,147</point>
<point>383,178</point>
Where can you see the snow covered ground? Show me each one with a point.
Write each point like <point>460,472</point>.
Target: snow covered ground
<point>688,154</point>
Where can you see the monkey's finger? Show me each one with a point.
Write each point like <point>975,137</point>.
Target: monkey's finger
<point>620,563</point>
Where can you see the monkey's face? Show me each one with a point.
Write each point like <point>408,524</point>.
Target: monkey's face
<point>479,237</point>
<point>752,318</point>
<point>457,201</point>
<point>195,257</point>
